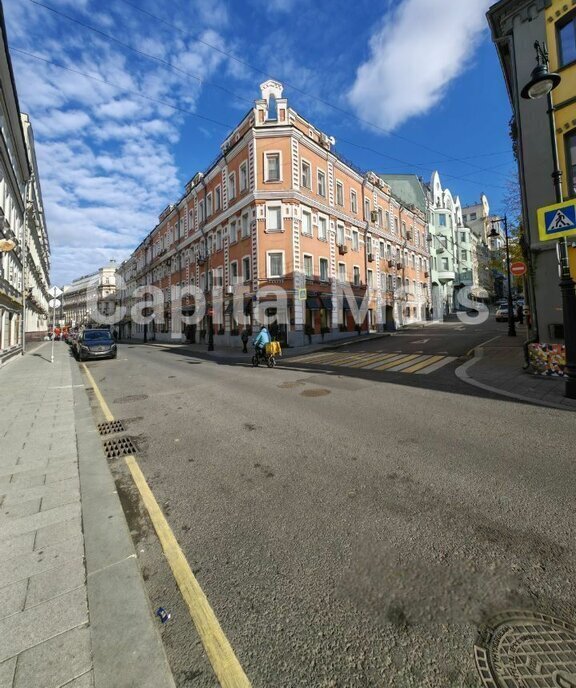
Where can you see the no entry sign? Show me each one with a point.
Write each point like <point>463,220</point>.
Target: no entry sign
<point>518,269</point>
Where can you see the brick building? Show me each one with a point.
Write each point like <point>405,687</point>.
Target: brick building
<point>280,209</point>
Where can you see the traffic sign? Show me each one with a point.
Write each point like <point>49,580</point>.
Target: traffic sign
<point>518,269</point>
<point>302,294</point>
<point>54,303</point>
<point>557,221</point>
<point>55,292</point>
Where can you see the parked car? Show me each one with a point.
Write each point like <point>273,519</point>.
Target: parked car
<point>502,314</point>
<point>95,344</point>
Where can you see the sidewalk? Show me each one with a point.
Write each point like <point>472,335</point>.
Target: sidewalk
<point>73,610</point>
<point>497,366</point>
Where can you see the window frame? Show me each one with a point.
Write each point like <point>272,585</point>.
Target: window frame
<point>269,206</point>
<point>355,240</point>
<point>339,193</point>
<point>304,161</point>
<point>275,252</point>
<point>340,265</point>
<point>243,172</point>
<point>356,272</point>
<point>306,256</point>
<point>323,260</point>
<point>320,174</point>
<point>323,219</point>
<point>353,201</point>
<point>308,213</point>
<point>570,161</point>
<point>267,155</point>
<point>234,278</point>
<point>244,277</point>
<point>569,18</point>
<point>231,181</point>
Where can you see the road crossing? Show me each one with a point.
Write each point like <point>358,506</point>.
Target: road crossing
<point>394,362</point>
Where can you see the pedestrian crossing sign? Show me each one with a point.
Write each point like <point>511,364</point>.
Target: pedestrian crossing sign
<point>557,221</point>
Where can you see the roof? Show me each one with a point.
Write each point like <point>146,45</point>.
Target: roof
<point>408,188</point>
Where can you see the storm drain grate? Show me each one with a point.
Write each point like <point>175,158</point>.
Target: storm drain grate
<point>521,648</point>
<point>111,427</point>
<point>119,447</point>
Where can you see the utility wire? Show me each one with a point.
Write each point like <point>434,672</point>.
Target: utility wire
<point>295,88</point>
<point>228,126</point>
<point>159,60</point>
<point>123,88</point>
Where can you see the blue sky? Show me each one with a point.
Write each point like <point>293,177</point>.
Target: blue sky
<point>408,86</point>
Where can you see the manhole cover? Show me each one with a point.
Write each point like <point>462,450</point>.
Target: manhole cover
<point>122,446</point>
<point>522,649</point>
<point>111,427</point>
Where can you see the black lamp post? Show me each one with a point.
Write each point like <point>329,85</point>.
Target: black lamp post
<point>542,84</point>
<point>494,234</point>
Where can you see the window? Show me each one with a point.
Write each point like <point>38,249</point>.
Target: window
<point>246,268</point>
<point>366,209</point>
<point>356,276</point>
<point>342,272</point>
<point>340,234</point>
<point>472,216</point>
<point>321,183</point>
<point>567,40</point>
<point>322,228</point>
<point>233,232</point>
<point>571,162</point>
<point>463,255</point>
<point>209,204</point>
<point>275,264</point>
<point>445,264</point>
<point>354,201</point>
<point>245,227</point>
<point>369,244</point>
<point>462,237</point>
<point>201,211</point>
<point>355,244</point>
<point>218,240</point>
<point>306,175</point>
<point>396,225</point>
<point>231,185</point>
<point>218,277</point>
<point>382,249</point>
<point>371,279</point>
<point>274,218</point>
<point>442,220</point>
<point>380,218</point>
<point>218,198</point>
<point>308,267</point>
<point>243,176</point>
<point>403,229</point>
<point>339,193</point>
<point>272,167</point>
<point>323,269</point>
<point>234,272</point>
<point>306,222</point>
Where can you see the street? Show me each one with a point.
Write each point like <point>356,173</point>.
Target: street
<point>349,525</point>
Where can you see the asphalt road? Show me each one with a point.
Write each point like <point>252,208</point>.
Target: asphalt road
<point>350,527</point>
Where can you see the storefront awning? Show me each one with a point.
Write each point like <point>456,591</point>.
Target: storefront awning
<point>326,302</point>
<point>359,300</point>
<point>313,303</point>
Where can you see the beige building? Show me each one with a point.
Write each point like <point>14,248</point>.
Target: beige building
<point>24,247</point>
<point>89,295</point>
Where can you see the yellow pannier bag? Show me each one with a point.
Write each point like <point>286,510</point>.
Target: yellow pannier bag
<point>273,349</point>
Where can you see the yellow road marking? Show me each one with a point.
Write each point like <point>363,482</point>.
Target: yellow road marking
<point>398,361</point>
<point>103,405</point>
<point>423,364</point>
<point>344,359</point>
<point>224,662</point>
<point>371,358</point>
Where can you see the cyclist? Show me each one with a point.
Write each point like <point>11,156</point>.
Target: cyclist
<point>261,340</point>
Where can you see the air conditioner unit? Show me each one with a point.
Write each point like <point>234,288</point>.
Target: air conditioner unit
<point>230,289</point>
<point>399,266</point>
<point>342,249</point>
<point>390,263</point>
<point>373,217</point>
<point>408,235</point>
<point>370,257</point>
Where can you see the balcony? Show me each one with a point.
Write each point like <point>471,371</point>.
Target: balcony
<point>446,275</point>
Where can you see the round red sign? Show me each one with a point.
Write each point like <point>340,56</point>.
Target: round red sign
<point>518,269</point>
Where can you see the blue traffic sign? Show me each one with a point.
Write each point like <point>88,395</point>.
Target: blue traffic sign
<point>557,221</point>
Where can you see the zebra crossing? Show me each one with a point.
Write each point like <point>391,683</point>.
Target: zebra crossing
<point>395,362</point>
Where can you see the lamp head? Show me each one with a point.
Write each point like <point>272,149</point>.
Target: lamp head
<point>541,84</point>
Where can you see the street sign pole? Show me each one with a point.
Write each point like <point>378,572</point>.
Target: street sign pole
<point>54,304</point>
<point>53,326</point>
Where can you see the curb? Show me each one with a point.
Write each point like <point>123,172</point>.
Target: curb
<point>478,353</point>
<point>126,645</point>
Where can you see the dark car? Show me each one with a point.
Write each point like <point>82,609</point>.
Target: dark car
<point>95,344</point>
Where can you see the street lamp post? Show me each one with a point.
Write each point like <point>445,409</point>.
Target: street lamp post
<point>494,234</point>
<point>542,84</point>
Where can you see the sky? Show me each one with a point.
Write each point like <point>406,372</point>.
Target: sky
<point>130,98</point>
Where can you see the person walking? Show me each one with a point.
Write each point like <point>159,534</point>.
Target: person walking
<point>244,337</point>
<point>520,314</point>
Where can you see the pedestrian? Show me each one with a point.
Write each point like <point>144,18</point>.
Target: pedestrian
<point>520,313</point>
<point>244,337</point>
<point>202,336</point>
<point>115,335</point>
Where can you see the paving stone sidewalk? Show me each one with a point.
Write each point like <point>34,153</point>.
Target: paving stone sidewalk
<point>48,637</point>
<point>498,366</point>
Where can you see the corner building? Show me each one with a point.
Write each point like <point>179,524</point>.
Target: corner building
<point>280,208</point>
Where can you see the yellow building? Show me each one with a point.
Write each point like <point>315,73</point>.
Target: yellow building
<point>561,40</point>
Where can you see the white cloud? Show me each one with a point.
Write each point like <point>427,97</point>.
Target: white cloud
<point>419,48</point>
